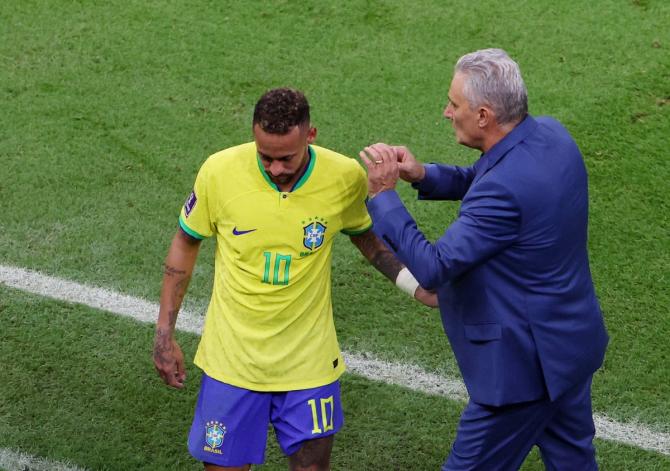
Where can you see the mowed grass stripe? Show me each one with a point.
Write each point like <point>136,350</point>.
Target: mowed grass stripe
<point>363,364</point>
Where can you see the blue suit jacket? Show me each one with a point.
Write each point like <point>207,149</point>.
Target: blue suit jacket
<point>512,272</point>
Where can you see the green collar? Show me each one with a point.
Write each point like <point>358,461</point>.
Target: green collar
<point>303,178</point>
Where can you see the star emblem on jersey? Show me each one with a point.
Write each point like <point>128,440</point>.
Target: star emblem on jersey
<point>314,232</point>
<point>214,433</point>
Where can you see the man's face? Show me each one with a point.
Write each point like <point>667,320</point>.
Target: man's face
<point>284,155</point>
<point>464,120</point>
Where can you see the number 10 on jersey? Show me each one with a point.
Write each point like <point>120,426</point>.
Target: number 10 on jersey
<point>280,268</point>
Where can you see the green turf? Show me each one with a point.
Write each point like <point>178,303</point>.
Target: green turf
<point>79,385</point>
<point>109,108</point>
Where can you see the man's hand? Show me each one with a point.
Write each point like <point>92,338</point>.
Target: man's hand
<point>179,263</point>
<point>168,359</point>
<point>382,164</point>
<point>410,170</point>
<point>429,298</point>
<point>387,163</point>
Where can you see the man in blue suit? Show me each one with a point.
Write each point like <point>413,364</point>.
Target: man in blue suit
<point>512,271</point>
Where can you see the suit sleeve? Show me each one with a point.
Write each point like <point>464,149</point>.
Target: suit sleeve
<point>445,182</point>
<point>488,222</point>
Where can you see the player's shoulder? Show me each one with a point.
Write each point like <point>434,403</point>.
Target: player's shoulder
<point>336,162</point>
<point>230,157</point>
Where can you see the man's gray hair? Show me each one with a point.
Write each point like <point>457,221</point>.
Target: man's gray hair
<point>493,79</point>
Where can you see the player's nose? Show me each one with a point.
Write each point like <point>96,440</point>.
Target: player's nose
<point>276,168</point>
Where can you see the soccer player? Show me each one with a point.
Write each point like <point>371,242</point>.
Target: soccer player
<point>269,351</point>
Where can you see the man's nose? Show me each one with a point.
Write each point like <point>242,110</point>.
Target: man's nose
<point>276,168</point>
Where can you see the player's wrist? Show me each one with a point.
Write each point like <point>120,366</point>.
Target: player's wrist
<point>406,282</point>
<point>164,329</point>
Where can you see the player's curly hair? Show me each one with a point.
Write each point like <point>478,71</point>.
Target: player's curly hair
<point>280,109</point>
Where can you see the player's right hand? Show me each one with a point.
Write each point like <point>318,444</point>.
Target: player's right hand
<point>169,360</point>
<point>428,298</point>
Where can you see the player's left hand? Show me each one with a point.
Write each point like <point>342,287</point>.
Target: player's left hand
<point>429,298</point>
<point>382,164</point>
<point>169,359</point>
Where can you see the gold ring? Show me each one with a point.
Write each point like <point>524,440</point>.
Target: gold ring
<point>378,161</point>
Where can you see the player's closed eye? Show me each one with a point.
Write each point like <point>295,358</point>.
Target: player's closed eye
<point>269,160</point>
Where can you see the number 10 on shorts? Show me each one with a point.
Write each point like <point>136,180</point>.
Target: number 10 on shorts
<point>326,414</point>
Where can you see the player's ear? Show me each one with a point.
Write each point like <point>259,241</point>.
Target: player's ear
<point>311,135</point>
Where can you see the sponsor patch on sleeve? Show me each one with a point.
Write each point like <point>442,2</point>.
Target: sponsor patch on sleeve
<point>190,203</point>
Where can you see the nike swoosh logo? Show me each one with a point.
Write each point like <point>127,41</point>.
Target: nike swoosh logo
<point>236,232</point>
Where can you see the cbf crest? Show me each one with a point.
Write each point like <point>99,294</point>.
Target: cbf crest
<point>214,433</point>
<point>314,232</point>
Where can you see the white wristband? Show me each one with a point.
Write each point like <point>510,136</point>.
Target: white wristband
<point>406,282</point>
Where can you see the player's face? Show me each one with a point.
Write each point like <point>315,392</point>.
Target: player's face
<point>464,120</point>
<point>284,156</point>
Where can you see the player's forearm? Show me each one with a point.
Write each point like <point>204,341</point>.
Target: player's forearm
<point>177,271</point>
<point>386,262</point>
<point>378,254</point>
<point>175,284</point>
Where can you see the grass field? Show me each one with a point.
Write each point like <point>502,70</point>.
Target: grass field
<point>108,109</point>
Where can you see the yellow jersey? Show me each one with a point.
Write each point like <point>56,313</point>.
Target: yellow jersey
<point>269,325</point>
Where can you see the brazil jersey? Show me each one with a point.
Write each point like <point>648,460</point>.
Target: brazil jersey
<point>269,325</point>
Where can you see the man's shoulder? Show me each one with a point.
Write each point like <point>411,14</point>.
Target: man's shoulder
<point>548,120</point>
<point>335,161</point>
<point>549,124</point>
<point>225,156</point>
<point>331,155</point>
<point>539,137</point>
<point>225,163</point>
<point>538,164</point>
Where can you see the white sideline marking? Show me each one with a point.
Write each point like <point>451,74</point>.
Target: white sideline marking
<point>16,461</point>
<point>406,375</point>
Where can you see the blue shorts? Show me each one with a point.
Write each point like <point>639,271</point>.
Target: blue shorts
<point>230,425</point>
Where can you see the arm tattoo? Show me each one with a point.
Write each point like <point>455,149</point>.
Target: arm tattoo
<point>386,263</point>
<point>172,317</point>
<point>179,291</point>
<point>172,271</point>
<point>162,345</point>
<point>378,254</point>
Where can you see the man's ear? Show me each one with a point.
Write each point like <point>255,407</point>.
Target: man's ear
<point>484,116</point>
<point>311,135</point>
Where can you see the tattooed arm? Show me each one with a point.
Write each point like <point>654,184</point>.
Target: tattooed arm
<point>385,262</point>
<point>168,358</point>
<point>378,254</point>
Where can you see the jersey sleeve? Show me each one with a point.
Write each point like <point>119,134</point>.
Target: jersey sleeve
<point>195,218</point>
<point>355,218</point>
